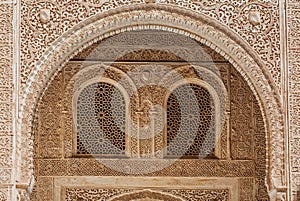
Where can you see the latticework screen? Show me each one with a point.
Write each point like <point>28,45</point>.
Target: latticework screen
<point>190,121</point>
<point>101,121</point>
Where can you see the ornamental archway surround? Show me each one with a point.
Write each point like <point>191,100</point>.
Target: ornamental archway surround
<point>198,27</point>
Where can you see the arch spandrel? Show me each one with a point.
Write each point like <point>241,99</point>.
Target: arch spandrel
<point>199,27</point>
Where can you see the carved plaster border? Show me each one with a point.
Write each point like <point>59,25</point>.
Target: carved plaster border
<point>136,184</point>
<point>200,27</point>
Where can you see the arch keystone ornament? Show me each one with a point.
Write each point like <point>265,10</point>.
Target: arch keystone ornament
<point>159,17</point>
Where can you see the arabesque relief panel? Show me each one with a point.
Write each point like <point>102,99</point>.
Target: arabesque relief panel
<point>170,188</point>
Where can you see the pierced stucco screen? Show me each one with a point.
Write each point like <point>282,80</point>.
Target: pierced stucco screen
<point>190,121</point>
<point>100,129</point>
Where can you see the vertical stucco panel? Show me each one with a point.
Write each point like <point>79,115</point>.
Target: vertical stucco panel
<point>6,102</point>
<point>294,93</point>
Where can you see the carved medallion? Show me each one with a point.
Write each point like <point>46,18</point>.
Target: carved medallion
<point>44,15</point>
<point>254,17</point>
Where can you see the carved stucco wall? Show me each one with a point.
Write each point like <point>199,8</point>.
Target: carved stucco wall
<point>147,15</point>
<point>241,17</point>
<point>198,26</point>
